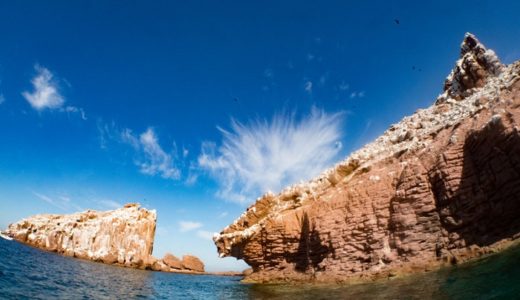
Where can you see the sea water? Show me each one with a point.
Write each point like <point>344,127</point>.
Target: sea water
<point>29,273</point>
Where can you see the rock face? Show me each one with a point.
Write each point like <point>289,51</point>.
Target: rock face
<point>172,261</point>
<point>124,236</point>
<point>190,262</point>
<point>440,187</point>
<point>471,71</point>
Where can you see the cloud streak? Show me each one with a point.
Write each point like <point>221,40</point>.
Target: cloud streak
<point>262,155</point>
<point>61,202</point>
<point>185,226</point>
<point>45,94</point>
<point>204,234</point>
<point>153,159</point>
<point>108,203</point>
<point>360,94</point>
<point>76,110</point>
<point>308,87</point>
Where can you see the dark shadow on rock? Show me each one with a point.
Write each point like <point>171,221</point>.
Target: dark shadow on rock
<point>311,250</point>
<point>485,208</point>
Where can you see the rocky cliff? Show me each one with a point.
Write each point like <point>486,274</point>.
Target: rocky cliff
<point>124,236</point>
<point>440,187</point>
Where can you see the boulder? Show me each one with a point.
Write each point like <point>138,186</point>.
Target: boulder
<point>172,261</point>
<point>193,263</point>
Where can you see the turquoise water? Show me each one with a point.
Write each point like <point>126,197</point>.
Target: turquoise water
<point>26,272</point>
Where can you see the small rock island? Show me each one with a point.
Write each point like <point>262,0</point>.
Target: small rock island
<point>121,237</point>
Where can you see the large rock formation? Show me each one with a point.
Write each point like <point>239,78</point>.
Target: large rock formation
<point>442,186</point>
<point>124,236</point>
<point>475,66</point>
<point>188,263</point>
<point>172,261</point>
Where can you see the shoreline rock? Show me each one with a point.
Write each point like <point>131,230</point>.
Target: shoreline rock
<point>122,237</point>
<point>438,188</point>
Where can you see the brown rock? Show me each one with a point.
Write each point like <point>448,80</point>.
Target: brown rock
<point>414,199</point>
<point>172,261</point>
<point>193,263</point>
<point>109,259</point>
<point>475,66</point>
<point>159,265</point>
<point>124,236</point>
<point>247,272</point>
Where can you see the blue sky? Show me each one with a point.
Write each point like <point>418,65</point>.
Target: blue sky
<point>195,108</point>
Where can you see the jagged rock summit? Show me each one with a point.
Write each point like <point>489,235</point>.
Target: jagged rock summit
<point>472,70</point>
<point>440,187</point>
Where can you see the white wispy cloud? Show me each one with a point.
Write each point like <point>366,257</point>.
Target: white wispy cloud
<point>61,202</point>
<point>77,110</point>
<point>153,159</point>
<point>185,226</point>
<point>223,214</point>
<point>191,179</point>
<point>2,98</point>
<point>106,132</point>
<point>45,94</point>
<point>344,86</point>
<point>324,78</point>
<point>162,231</point>
<point>110,204</point>
<point>360,94</point>
<point>262,155</point>
<point>204,234</point>
<point>308,86</point>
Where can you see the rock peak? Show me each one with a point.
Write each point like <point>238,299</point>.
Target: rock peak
<point>469,44</point>
<point>439,187</point>
<point>475,65</point>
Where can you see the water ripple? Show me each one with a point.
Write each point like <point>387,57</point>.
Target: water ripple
<point>26,272</point>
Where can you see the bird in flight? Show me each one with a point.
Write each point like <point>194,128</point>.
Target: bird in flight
<point>396,21</point>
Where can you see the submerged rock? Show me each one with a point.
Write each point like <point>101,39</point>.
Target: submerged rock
<point>440,187</point>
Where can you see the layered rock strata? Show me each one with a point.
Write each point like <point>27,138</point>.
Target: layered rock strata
<point>170,263</point>
<point>440,187</point>
<point>123,236</point>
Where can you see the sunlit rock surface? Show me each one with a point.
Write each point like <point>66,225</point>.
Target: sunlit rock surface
<point>123,236</point>
<point>440,187</point>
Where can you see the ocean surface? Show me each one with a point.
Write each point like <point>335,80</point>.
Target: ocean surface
<point>28,273</point>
